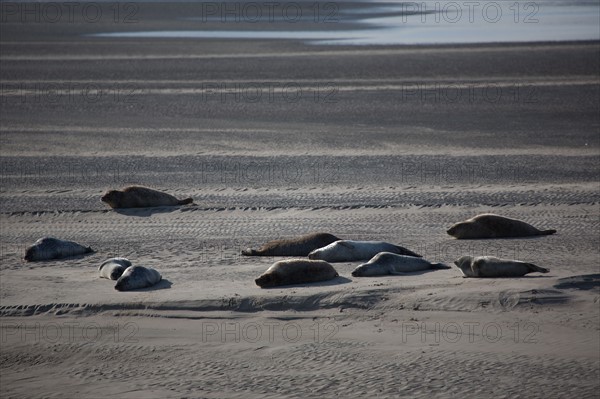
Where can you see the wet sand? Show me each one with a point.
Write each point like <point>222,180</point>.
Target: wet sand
<point>382,143</point>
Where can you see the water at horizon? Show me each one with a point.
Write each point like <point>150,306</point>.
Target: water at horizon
<point>390,23</point>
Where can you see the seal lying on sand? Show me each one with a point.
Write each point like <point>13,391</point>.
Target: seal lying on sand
<point>52,248</point>
<point>298,246</point>
<point>388,263</point>
<point>296,271</point>
<point>135,277</point>
<point>113,268</point>
<point>140,197</point>
<point>348,250</point>
<point>488,225</point>
<point>489,266</point>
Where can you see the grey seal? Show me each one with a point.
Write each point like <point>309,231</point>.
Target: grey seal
<point>296,271</point>
<point>297,246</point>
<point>47,248</point>
<point>490,266</point>
<point>113,268</point>
<point>349,250</point>
<point>488,225</point>
<point>141,197</point>
<point>389,263</point>
<point>135,277</point>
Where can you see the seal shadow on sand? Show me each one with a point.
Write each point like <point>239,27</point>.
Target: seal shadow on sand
<point>163,284</point>
<point>335,281</point>
<point>416,273</point>
<point>504,238</point>
<point>527,277</point>
<point>145,212</point>
<point>47,261</point>
<point>580,282</point>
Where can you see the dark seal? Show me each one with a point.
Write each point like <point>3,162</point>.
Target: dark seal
<point>488,225</point>
<point>298,246</point>
<point>48,248</point>
<point>136,277</point>
<point>141,197</point>
<point>296,271</point>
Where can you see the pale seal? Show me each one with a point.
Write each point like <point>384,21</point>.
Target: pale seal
<point>141,197</point>
<point>490,266</point>
<point>297,246</point>
<point>348,250</point>
<point>296,271</point>
<point>488,225</point>
<point>113,268</point>
<point>389,263</point>
<point>135,277</point>
<point>52,248</point>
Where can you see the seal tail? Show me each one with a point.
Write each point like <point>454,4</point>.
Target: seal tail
<point>186,201</point>
<point>408,252</point>
<point>548,232</point>
<point>535,268</point>
<point>440,266</point>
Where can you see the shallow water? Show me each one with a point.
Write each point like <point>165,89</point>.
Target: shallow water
<point>425,22</point>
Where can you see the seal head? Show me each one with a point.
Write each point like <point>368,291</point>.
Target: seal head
<point>113,268</point>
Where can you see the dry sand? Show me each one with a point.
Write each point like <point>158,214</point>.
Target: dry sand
<point>368,166</point>
<point>208,331</point>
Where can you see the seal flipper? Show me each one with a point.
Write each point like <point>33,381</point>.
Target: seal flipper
<point>407,252</point>
<point>548,232</point>
<point>186,201</point>
<point>440,266</point>
<point>535,268</point>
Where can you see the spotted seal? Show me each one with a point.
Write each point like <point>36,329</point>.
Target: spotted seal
<point>113,268</point>
<point>389,263</point>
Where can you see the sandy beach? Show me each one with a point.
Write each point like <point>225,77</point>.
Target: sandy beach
<point>277,138</point>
